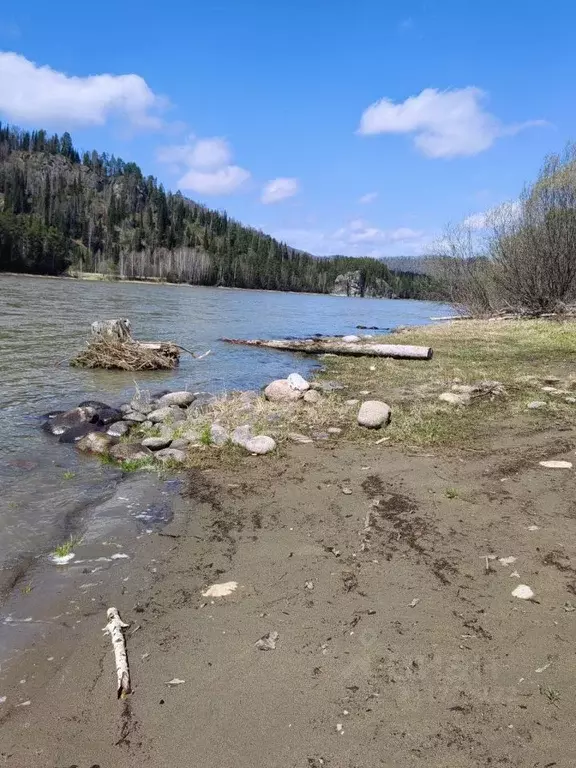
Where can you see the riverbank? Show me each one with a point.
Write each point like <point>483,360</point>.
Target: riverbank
<point>385,560</point>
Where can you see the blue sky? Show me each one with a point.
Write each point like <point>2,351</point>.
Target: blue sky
<point>357,128</point>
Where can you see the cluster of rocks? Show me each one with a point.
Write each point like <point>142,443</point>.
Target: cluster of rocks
<point>463,394</point>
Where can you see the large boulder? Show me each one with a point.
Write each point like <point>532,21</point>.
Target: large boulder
<point>62,422</point>
<point>167,414</point>
<point>182,399</point>
<point>130,452</point>
<point>298,382</point>
<point>280,391</point>
<point>260,444</point>
<point>374,414</point>
<point>96,442</point>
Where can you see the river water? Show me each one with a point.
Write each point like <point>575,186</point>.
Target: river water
<point>47,487</point>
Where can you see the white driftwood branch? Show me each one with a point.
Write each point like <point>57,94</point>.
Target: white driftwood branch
<point>114,629</point>
<point>339,347</point>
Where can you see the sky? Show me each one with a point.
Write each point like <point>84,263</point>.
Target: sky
<point>359,128</point>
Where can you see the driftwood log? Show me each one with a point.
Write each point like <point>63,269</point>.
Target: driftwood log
<point>339,347</point>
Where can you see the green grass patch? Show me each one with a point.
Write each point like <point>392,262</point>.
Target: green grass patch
<point>64,549</point>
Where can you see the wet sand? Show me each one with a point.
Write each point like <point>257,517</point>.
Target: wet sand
<point>399,643</point>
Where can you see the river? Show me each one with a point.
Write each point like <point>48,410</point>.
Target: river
<point>47,487</point>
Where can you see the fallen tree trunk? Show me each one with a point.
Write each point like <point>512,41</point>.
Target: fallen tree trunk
<point>339,347</point>
<point>115,628</point>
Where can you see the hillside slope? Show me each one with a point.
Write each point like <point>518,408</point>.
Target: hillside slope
<point>60,210</point>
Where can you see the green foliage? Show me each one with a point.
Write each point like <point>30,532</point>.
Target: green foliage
<point>64,549</point>
<point>98,214</point>
<point>206,435</point>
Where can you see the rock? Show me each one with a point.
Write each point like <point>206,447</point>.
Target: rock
<point>296,437</point>
<point>242,435</point>
<point>130,452</point>
<point>77,433</point>
<point>351,402</point>
<point>142,402</point>
<point>536,404</point>
<point>334,431</point>
<point>260,444</point>
<point>106,414</point>
<point>125,408</point>
<point>118,429</point>
<point>180,444</point>
<point>374,414</point>
<point>96,442</point>
<point>168,455</point>
<point>218,434</point>
<point>312,396</point>
<point>453,398</point>
<point>168,413</point>
<point>182,399</point>
<point>156,443</point>
<point>570,400</point>
<point>465,389</point>
<point>202,402</point>
<point>62,422</point>
<point>147,425</point>
<point>135,417</point>
<point>351,339</point>
<point>327,386</point>
<point>191,435</point>
<point>298,382</point>
<point>280,391</point>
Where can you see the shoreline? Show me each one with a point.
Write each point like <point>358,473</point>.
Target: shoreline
<point>370,554</point>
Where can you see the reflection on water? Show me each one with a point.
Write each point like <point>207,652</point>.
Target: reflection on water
<point>43,322</point>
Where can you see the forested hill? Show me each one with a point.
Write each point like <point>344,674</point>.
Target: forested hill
<point>63,211</point>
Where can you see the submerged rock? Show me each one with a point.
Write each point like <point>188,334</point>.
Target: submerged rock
<point>96,442</point>
<point>182,399</point>
<point>77,433</point>
<point>374,414</point>
<point>280,391</point>
<point>62,422</point>
<point>130,451</point>
<point>261,444</point>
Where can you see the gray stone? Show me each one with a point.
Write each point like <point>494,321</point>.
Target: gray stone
<point>296,437</point>
<point>125,408</point>
<point>218,434</point>
<point>242,435</point>
<point>570,400</point>
<point>280,391</point>
<point>327,386</point>
<point>351,339</point>
<point>182,399</point>
<point>334,431</point>
<point>191,435</point>
<point>147,425</point>
<point>298,382</point>
<point>453,398</point>
<point>105,413</point>
<point>374,414</point>
<point>465,389</point>
<point>180,444</point>
<point>312,396</point>
<point>202,402</point>
<point>134,416</point>
<point>156,443</point>
<point>118,429</point>
<point>96,442</point>
<point>261,444</point>
<point>169,455</point>
<point>74,434</point>
<point>62,422</point>
<point>535,404</point>
<point>168,413</point>
<point>129,452</point>
<point>351,402</point>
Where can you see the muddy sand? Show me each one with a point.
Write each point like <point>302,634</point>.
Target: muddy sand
<point>399,641</point>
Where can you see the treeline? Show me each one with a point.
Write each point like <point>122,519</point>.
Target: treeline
<point>63,210</point>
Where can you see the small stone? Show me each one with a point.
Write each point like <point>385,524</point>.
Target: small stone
<point>268,642</point>
<point>96,442</point>
<point>454,398</point>
<point>218,435</point>
<point>351,339</point>
<point>351,402</point>
<point>119,429</point>
<point>242,435</point>
<point>523,592</point>
<point>374,414</point>
<point>556,464</point>
<point>296,437</point>
<point>465,389</point>
<point>156,443</point>
<point>570,400</point>
<point>130,451</point>
<point>168,413</point>
<point>168,455</point>
<point>535,404</point>
<point>191,435</point>
<point>327,386</point>
<point>261,444</point>
<point>334,431</point>
<point>364,392</point>
<point>298,382</point>
<point>347,491</point>
<point>182,399</point>
<point>180,444</point>
<point>280,391</point>
<point>312,396</point>
<point>135,417</point>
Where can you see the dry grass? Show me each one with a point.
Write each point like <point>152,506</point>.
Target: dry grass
<point>126,355</point>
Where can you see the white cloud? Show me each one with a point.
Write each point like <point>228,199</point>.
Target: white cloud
<point>499,213</point>
<point>205,165</point>
<point>279,189</point>
<point>447,123</point>
<point>38,94</point>
<point>369,197</point>
<point>357,238</point>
